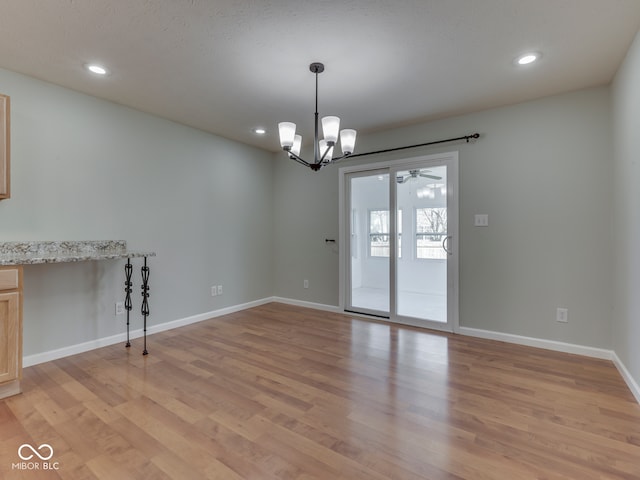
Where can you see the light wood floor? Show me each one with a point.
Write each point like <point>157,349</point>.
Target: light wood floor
<point>280,392</point>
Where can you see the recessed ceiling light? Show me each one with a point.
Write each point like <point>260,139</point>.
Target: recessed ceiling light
<point>259,131</point>
<point>527,58</point>
<point>95,68</point>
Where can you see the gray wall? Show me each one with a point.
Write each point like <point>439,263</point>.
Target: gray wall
<point>86,169</point>
<point>626,194</point>
<point>542,171</point>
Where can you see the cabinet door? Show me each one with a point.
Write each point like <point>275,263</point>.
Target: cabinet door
<point>9,336</point>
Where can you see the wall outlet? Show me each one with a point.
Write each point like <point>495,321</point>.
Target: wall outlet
<point>562,315</point>
<point>305,283</point>
<point>214,291</point>
<point>219,289</point>
<point>119,308</point>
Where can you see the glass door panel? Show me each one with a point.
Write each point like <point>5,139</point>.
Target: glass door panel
<point>421,269</point>
<point>370,243</point>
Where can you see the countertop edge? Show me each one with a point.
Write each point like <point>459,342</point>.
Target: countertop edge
<point>9,260</point>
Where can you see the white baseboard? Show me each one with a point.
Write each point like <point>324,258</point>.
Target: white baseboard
<point>30,360</point>
<point>631,383</point>
<point>302,303</point>
<point>538,343</point>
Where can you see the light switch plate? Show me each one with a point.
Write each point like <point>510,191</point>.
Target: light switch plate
<point>481,220</point>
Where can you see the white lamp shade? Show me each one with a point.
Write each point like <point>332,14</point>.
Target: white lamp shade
<point>297,143</point>
<point>287,133</point>
<point>330,128</point>
<point>347,141</point>
<point>323,147</point>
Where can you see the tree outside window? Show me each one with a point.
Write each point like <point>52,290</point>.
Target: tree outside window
<point>431,230</point>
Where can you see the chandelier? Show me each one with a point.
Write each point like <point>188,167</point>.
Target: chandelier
<point>322,149</point>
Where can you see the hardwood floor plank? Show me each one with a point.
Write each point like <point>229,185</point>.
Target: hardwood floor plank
<point>282,392</point>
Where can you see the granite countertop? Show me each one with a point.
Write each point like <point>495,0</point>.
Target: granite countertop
<point>34,252</point>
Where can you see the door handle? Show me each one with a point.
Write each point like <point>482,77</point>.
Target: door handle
<point>444,245</point>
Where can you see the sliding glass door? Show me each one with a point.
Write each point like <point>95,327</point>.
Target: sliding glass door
<point>400,231</point>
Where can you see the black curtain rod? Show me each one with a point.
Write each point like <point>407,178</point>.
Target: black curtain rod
<point>466,137</point>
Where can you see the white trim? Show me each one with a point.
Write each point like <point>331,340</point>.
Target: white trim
<point>539,343</point>
<point>43,357</point>
<point>302,303</point>
<point>626,376</point>
<point>342,238</point>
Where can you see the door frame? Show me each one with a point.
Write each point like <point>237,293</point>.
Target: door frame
<point>451,160</point>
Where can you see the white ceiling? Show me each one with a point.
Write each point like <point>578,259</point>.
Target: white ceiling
<point>227,66</point>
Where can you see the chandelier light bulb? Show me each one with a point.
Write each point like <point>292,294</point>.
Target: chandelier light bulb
<point>347,141</point>
<point>330,128</point>
<point>287,133</point>
<point>297,143</point>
